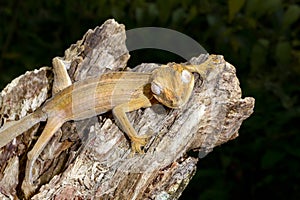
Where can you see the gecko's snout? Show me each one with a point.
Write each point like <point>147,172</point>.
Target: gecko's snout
<point>176,102</point>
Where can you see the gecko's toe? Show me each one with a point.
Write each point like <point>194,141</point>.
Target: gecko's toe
<point>28,189</point>
<point>138,142</point>
<point>136,148</point>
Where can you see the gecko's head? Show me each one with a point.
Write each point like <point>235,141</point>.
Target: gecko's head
<point>172,85</point>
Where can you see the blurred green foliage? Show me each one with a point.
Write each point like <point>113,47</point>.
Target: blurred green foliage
<point>260,38</point>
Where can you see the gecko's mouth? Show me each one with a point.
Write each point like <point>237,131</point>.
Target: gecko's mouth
<point>171,102</point>
<point>176,105</point>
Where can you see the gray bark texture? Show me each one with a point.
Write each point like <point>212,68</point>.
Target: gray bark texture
<point>91,159</point>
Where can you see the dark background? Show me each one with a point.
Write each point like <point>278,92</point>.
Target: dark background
<point>260,38</point>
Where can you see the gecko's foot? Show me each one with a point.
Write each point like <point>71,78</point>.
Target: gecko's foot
<point>28,189</point>
<point>138,142</point>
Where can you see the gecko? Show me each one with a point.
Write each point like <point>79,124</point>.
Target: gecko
<point>120,92</point>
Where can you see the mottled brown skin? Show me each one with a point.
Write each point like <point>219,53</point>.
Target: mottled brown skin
<point>121,92</point>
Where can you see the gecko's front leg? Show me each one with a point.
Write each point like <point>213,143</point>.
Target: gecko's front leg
<point>203,68</point>
<point>137,142</point>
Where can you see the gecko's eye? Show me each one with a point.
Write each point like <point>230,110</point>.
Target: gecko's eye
<point>156,89</point>
<point>186,76</point>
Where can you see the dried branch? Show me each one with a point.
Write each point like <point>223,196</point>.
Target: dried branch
<point>91,158</point>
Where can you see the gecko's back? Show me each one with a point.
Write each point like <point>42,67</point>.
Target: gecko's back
<point>96,95</point>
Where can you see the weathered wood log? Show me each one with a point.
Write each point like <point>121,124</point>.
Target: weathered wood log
<point>91,159</point>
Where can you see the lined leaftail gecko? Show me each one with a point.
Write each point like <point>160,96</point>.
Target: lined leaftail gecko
<point>121,92</point>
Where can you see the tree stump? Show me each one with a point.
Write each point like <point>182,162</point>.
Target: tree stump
<point>91,159</point>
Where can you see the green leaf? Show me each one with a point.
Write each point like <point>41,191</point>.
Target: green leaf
<point>259,55</point>
<point>192,13</point>
<point>271,158</point>
<point>291,16</point>
<point>260,8</point>
<point>153,11</point>
<point>139,14</point>
<point>293,151</point>
<point>234,6</point>
<point>178,15</point>
<point>283,52</point>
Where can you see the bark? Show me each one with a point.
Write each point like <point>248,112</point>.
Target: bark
<point>91,159</point>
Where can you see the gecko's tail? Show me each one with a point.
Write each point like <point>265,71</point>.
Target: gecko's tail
<point>10,130</point>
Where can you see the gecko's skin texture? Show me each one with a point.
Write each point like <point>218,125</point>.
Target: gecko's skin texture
<point>121,92</point>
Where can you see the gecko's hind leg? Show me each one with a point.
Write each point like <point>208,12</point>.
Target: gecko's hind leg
<point>61,77</point>
<point>53,124</point>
